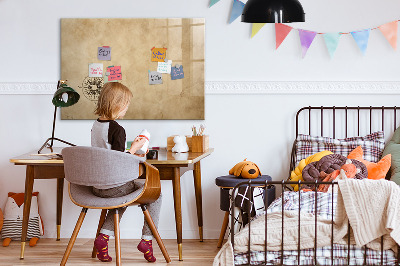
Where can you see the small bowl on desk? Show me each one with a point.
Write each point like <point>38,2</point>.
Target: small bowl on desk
<point>152,155</point>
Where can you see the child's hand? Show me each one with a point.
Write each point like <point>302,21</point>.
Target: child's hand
<point>137,144</point>
<point>143,155</point>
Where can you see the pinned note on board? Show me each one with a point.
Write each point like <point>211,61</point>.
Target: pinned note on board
<point>155,78</point>
<point>177,72</point>
<point>104,53</point>
<point>158,54</point>
<point>96,70</point>
<point>164,67</point>
<point>114,73</point>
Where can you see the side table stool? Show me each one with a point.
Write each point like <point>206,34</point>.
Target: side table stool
<point>226,183</point>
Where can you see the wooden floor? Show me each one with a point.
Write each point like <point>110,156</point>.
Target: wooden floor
<point>50,252</point>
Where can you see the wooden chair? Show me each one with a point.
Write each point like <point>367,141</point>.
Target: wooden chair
<point>85,167</point>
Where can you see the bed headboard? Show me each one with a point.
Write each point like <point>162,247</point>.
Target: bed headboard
<point>344,121</point>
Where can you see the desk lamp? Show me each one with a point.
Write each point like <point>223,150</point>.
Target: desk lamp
<point>273,11</point>
<point>64,96</point>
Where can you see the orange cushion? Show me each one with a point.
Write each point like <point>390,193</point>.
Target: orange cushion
<point>375,170</point>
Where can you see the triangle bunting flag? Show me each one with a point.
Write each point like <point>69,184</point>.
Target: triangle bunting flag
<point>361,38</point>
<point>389,30</point>
<point>332,41</point>
<point>306,39</point>
<point>213,2</point>
<point>256,28</point>
<point>281,31</point>
<point>237,9</point>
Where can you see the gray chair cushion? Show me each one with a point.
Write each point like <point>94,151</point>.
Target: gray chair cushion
<point>84,196</point>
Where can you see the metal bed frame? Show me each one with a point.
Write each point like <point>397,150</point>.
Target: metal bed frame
<point>283,184</point>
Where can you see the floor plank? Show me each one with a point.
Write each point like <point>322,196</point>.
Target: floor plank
<point>49,252</point>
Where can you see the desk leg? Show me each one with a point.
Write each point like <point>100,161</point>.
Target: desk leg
<point>60,190</point>
<point>199,204</point>
<point>27,206</point>
<point>176,182</point>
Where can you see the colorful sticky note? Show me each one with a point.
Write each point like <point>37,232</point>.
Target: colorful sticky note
<point>96,70</point>
<point>104,53</point>
<point>158,54</point>
<point>164,67</point>
<point>155,77</point>
<point>177,72</point>
<point>115,73</point>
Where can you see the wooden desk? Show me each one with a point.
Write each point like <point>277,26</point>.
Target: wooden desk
<point>168,164</point>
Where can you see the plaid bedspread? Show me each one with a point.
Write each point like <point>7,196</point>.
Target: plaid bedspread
<point>322,206</point>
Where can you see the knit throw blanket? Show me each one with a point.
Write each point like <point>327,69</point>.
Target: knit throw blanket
<point>373,209</point>
<point>371,206</point>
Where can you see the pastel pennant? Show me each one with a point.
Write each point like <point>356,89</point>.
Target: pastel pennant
<point>256,28</point>
<point>213,2</point>
<point>281,31</point>
<point>237,9</point>
<point>389,30</point>
<point>332,41</point>
<point>361,37</point>
<point>306,39</point>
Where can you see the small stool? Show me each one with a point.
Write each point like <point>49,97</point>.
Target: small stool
<point>226,183</point>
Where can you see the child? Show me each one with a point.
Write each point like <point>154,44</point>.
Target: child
<point>106,133</point>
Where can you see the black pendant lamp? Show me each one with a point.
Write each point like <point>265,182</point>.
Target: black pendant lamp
<point>273,11</point>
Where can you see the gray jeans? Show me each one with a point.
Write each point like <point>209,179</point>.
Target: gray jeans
<point>154,208</point>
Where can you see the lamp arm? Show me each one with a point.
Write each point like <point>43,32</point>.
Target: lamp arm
<point>54,126</point>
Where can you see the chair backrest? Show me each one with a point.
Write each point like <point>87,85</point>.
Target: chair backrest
<point>92,166</point>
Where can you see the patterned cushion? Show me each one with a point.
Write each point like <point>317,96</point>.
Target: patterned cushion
<point>372,144</point>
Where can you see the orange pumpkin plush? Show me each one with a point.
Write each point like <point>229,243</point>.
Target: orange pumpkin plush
<point>245,169</point>
<point>375,170</point>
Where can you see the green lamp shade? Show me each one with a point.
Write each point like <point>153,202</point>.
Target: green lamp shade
<point>65,96</point>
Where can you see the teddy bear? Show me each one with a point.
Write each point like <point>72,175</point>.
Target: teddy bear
<point>180,144</point>
<point>245,169</point>
<point>13,215</point>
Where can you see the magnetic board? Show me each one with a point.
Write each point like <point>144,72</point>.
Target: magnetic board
<point>130,42</point>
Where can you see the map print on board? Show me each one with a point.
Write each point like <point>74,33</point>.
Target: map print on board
<point>91,88</point>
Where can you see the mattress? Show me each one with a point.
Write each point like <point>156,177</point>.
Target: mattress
<point>322,204</point>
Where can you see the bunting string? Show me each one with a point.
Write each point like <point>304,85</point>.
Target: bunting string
<point>361,37</point>
<point>343,33</point>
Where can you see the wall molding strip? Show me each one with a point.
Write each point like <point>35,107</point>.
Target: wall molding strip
<point>250,87</point>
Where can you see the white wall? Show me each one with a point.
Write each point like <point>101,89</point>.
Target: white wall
<point>259,127</point>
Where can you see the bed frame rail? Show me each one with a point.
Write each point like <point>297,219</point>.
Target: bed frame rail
<point>265,185</point>
<point>337,122</point>
<point>343,118</point>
